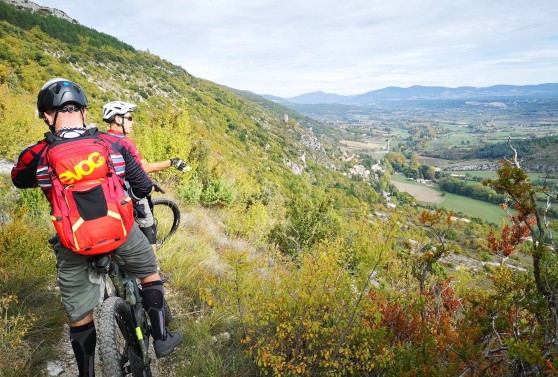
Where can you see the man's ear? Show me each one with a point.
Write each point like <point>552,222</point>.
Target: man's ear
<point>49,117</point>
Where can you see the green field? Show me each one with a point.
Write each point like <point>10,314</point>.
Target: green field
<point>474,208</point>
<point>446,141</point>
<point>492,174</point>
<point>484,174</point>
<point>459,204</point>
<point>420,192</point>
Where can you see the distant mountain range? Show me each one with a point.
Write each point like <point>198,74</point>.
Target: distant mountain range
<point>419,92</point>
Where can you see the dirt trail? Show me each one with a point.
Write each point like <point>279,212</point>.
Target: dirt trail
<point>65,365</point>
<point>5,166</point>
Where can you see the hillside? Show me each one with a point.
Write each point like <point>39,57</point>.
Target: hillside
<point>250,140</point>
<point>248,162</point>
<point>282,264</point>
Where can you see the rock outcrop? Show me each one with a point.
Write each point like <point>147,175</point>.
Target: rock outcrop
<point>25,4</point>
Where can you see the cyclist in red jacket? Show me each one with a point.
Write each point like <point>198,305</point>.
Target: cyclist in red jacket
<point>62,104</point>
<point>118,115</point>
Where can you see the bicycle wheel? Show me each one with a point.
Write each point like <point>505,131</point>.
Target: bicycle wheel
<point>166,215</point>
<point>118,346</point>
<point>167,312</point>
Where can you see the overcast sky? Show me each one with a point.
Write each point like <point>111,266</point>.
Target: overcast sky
<point>288,47</point>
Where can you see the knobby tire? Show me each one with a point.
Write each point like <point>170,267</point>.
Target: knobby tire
<point>166,214</point>
<point>119,349</point>
<point>167,312</point>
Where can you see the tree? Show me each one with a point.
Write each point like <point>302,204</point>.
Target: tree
<point>427,172</point>
<point>531,220</point>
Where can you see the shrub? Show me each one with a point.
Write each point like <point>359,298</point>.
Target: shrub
<point>306,321</point>
<point>191,192</point>
<point>308,222</point>
<point>14,350</point>
<point>252,222</point>
<point>218,192</point>
<point>27,312</point>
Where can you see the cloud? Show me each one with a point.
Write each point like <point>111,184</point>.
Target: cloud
<point>285,47</point>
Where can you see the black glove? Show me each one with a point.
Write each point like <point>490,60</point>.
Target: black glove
<point>179,164</point>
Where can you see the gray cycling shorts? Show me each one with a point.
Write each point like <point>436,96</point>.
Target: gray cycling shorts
<point>147,221</point>
<point>82,287</point>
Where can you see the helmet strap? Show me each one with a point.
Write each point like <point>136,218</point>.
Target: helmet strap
<point>121,124</point>
<point>55,117</point>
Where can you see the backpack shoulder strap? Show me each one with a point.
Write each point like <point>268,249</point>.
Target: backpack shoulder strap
<point>50,138</point>
<point>93,131</point>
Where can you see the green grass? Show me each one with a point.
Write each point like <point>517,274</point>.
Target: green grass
<point>474,208</point>
<point>191,258</point>
<point>461,204</point>
<point>400,178</point>
<point>479,173</point>
<point>492,174</point>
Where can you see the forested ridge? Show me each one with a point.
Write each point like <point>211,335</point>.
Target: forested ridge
<point>66,32</point>
<point>283,265</point>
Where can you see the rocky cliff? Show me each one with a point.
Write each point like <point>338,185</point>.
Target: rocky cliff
<point>40,9</point>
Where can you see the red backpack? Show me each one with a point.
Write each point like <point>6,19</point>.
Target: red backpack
<point>91,212</point>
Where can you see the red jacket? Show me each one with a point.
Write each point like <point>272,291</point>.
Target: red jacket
<point>135,151</point>
<point>31,169</point>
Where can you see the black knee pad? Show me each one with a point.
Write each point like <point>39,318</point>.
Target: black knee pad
<point>150,233</point>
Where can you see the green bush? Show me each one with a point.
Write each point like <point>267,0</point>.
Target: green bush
<point>27,313</point>
<point>14,326</point>
<point>308,221</point>
<point>218,192</point>
<point>252,223</point>
<point>191,192</point>
<point>215,193</point>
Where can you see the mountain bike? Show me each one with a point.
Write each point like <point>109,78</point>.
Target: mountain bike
<point>166,214</point>
<point>123,329</point>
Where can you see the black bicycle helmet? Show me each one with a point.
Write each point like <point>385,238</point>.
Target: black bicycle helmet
<point>57,92</point>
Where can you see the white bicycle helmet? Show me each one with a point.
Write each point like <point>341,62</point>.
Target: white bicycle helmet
<point>111,109</point>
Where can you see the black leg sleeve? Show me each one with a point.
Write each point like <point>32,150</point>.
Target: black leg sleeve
<point>153,295</point>
<point>84,340</point>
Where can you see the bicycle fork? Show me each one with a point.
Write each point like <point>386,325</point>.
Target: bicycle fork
<point>133,297</point>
